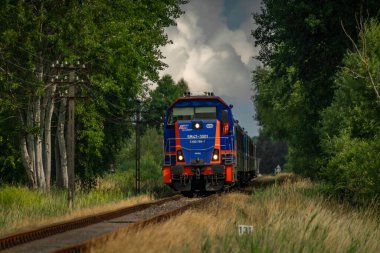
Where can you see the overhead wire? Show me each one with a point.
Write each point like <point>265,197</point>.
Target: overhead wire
<point>107,101</point>
<point>25,104</point>
<point>38,56</point>
<point>122,109</point>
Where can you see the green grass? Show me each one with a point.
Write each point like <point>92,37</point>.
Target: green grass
<point>20,206</point>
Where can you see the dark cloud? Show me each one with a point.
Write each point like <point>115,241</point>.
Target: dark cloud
<point>214,55</point>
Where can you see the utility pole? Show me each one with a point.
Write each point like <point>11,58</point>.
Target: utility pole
<point>70,135</point>
<point>137,173</point>
<point>71,139</point>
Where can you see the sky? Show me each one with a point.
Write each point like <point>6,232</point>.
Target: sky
<point>213,50</point>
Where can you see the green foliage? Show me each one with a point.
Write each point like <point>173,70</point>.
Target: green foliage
<point>10,165</point>
<point>121,65</point>
<point>118,40</point>
<point>23,46</point>
<point>350,127</point>
<point>21,204</point>
<point>160,98</point>
<point>302,43</point>
<point>151,150</point>
<point>353,168</point>
<point>280,105</point>
<point>150,163</point>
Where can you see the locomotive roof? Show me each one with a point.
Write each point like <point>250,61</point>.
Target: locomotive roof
<point>198,98</point>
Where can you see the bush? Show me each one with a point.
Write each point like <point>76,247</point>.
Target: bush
<point>350,127</point>
<point>354,167</point>
<point>150,165</point>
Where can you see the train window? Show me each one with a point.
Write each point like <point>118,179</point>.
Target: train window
<point>205,113</point>
<point>183,113</point>
<point>224,116</point>
<point>190,113</point>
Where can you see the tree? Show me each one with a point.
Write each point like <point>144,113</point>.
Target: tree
<point>130,59</point>
<point>164,95</point>
<point>11,169</point>
<point>30,36</point>
<point>350,126</point>
<point>119,39</point>
<point>302,43</point>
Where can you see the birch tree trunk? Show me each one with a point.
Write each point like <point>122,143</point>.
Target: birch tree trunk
<point>58,171</point>
<point>38,144</point>
<point>47,134</point>
<point>30,139</point>
<point>26,160</point>
<point>40,111</point>
<point>42,130</point>
<point>62,142</point>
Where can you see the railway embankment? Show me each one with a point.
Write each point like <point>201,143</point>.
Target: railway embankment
<point>292,216</point>
<point>282,213</point>
<point>24,209</point>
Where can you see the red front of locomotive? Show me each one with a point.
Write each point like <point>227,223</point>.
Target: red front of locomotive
<point>199,145</point>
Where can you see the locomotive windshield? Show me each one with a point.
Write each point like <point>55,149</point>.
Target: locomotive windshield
<point>190,113</point>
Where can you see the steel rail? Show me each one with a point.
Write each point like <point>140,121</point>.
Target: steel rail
<point>16,239</point>
<point>87,245</point>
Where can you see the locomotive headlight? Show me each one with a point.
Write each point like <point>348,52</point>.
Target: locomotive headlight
<point>180,157</point>
<point>215,155</point>
<point>196,125</point>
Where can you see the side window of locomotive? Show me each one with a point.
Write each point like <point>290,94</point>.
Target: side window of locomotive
<point>205,113</point>
<point>224,116</point>
<point>170,123</point>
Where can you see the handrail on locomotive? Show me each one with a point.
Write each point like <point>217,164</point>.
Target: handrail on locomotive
<point>228,145</point>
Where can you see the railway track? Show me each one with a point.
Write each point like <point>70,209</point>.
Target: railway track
<point>79,234</point>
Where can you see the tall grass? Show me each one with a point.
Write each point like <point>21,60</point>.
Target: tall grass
<point>292,217</point>
<point>21,207</point>
<point>151,182</point>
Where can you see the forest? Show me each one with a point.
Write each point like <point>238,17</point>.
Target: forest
<point>110,52</point>
<point>318,90</point>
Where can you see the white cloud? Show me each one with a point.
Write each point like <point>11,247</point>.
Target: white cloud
<point>212,57</point>
<point>238,39</point>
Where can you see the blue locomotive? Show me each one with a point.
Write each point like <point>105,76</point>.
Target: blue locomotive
<point>205,149</point>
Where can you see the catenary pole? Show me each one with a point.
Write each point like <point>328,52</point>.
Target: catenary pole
<point>138,149</point>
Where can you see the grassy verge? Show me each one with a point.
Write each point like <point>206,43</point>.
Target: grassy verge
<point>269,180</point>
<point>292,217</point>
<point>21,208</point>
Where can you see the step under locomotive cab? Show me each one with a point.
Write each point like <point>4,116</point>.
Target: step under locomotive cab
<point>200,145</point>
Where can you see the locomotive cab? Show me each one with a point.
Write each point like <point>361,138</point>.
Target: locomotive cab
<point>199,145</point>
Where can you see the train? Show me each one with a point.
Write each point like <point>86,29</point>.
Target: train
<point>205,148</point>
